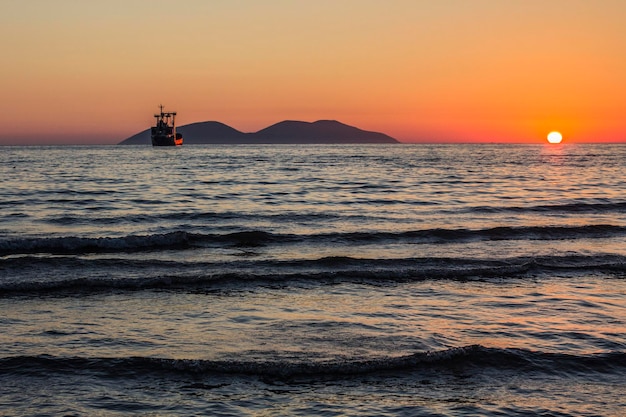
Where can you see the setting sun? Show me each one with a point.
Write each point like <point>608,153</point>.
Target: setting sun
<point>555,137</point>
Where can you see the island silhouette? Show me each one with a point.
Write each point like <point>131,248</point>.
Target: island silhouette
<point>285,132</point>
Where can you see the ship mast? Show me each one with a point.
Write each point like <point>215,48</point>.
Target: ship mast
<point>164,117</point>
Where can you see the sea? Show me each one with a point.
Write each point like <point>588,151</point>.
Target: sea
<point>313,280</point>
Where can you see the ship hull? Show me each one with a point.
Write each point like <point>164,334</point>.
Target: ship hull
<point>168,140</point>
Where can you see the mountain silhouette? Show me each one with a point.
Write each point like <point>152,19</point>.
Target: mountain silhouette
<point>288,131</point>
<point>322,131</point>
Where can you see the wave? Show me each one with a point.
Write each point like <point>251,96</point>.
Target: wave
<point>471,358</point>
<point>131,243</point>
<point>597,207</point>
<point>193,216</point>
<point>138,274</point>
<point>254,238</point>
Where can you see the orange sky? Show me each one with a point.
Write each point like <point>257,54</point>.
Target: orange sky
<point>77,71</point>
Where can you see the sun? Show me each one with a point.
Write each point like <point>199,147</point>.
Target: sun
<point>555,137</point>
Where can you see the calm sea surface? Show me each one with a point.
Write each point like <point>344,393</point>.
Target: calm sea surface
<point>387,280</point>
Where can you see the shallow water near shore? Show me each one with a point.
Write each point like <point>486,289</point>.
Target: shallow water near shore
<point>434,280</point>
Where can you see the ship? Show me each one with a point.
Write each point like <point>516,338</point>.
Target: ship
<point>163,133</point>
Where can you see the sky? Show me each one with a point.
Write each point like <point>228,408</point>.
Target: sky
<point>95,72</point>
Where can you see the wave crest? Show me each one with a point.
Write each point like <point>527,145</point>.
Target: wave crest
<point>475,358</point>
<point>254,238</point>
<point>140,275</point>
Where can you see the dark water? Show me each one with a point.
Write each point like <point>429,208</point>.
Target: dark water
<point>388,280</point>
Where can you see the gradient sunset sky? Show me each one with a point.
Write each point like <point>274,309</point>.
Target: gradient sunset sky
<point>76,71</point>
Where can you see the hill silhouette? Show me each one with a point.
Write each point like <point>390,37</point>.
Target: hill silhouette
<point>322,131</point>
<point>288,131</point>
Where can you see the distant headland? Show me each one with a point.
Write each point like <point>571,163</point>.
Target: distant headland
<point>286,132</point>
